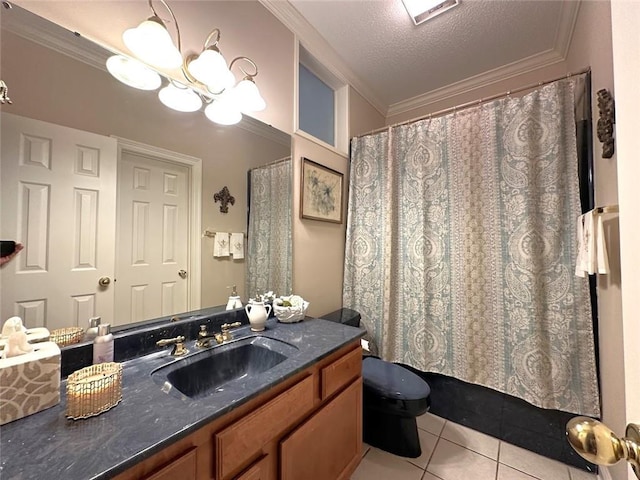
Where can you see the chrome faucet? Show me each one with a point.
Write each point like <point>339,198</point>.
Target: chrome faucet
<point>204,337</point>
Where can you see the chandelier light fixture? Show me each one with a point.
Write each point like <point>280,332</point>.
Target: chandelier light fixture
<point>180,97</point>
<point>206,78</point>
<point>133,73</point>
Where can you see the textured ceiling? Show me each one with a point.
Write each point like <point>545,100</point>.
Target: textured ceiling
<point>398,60</point>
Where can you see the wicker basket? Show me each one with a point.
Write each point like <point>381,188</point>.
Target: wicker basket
<point>67,336</point>
<point>93,390</point>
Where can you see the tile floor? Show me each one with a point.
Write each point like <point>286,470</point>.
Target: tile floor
<point>454,452</point>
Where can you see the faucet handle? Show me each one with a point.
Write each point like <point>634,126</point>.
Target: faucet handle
<point>225,334</point>
<point>225,327</point>
<point>178,345</point>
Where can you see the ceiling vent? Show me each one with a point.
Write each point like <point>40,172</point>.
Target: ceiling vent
<point>422,10</point>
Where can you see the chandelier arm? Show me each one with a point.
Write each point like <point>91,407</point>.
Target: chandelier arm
<point>173,18</point>
<point>248,60</point>
<point>216,32</point>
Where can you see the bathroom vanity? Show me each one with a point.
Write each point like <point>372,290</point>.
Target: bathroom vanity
<point>298,419</point>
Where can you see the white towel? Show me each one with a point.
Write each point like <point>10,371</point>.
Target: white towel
<point>592,249</point>
<point>582,258</point>
<point>237,245</point>
<point>602,257</point>
<point>221,244</point>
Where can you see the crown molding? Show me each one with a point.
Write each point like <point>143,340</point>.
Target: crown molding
<point>315,44</point>
<point>505,72</point>
<point>557,54</point>
<point>57,38</point>
<point>566,27</point>
<point>258,127</point>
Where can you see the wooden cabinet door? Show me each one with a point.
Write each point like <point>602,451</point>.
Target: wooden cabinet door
<point>242,441</point>
<point>183,468</point>
<point>329,444</point>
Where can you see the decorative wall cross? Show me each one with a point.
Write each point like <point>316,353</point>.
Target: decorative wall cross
<point>605,122</point>
<point>225,198</point>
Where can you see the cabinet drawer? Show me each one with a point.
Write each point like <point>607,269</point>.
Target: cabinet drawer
<point>244,439</point>
<point>341,372</point>
<point>257,471</point>
<point>183,467</point>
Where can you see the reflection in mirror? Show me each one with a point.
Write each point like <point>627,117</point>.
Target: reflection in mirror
<point>101,181</point>
<point>269,256</point>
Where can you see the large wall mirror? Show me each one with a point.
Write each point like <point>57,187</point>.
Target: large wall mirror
<point>100,181</point>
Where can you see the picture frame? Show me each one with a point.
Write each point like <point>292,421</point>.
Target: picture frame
<point>321,192</point>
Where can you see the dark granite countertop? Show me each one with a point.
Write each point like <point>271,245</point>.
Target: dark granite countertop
<point>47,445</point>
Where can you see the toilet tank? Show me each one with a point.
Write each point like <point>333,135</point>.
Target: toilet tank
<point>346,316</point>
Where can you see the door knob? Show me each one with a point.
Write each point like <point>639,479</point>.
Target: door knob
<point>182,273</point>
<point>104,281</point>
<point>595,442</point>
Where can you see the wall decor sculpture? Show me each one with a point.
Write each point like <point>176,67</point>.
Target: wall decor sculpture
<point>225,198</point>
<point>607,118</point>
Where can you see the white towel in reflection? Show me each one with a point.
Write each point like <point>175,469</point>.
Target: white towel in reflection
<point>592,249</point>
<point>601,247</point>
<point>221,244</point>
<point>237,245</point>
<point>586,259</point>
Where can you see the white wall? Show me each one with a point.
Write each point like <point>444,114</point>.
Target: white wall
<point>318,247</point>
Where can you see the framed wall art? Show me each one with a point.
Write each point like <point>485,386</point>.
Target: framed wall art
<point>320,192</point>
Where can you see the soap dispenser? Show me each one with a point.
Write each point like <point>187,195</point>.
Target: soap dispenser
<point>234,300</point>
<point>92,331</point>
<point>103,345</point>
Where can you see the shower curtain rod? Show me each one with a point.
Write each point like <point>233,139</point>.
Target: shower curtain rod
<point>280,160</point>
<point>474,103</point>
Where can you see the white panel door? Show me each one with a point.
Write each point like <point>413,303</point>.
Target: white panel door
<point>58,197</point>
<point>153,235</point>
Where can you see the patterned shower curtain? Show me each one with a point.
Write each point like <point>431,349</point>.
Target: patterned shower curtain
<point>269,249</point>
<point>461,246</point>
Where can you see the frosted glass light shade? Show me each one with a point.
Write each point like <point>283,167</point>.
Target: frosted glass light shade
<point>211,69</point>
<point>133,73</point>
<point>247,97</point>
<point>180,99</point>
<point>151,42</point>
<point>223,111</point>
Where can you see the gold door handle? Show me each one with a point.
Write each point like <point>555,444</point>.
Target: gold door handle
<point>182,273</point>
<point>595,442</point>
<point>104,281</point>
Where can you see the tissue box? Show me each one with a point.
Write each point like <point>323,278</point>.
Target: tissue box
<point>30,382</point>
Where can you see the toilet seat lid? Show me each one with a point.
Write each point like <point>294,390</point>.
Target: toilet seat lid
<point>393,381</point>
